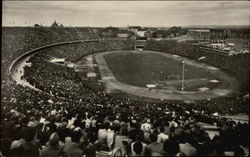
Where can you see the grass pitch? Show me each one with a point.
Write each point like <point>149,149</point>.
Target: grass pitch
<point>139,69</point>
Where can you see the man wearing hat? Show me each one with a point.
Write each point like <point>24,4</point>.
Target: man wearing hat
<point>51,149</point>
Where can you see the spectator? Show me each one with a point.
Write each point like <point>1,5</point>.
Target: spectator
<point>52,148</point>
<point>162,136</point>
<point>155,148</point>
<point>28,148</point>
<point>103,133</point>
<point>138,148</point>
<point>171,147</point>
<point>187,148</point>
<point>119,139</point>
<point>110,136</point>
<point>73,149</point>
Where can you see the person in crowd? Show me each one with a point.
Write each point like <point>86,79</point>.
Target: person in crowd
<point>99,150</point>
<point>121,151</point>
<point>119,139</point>
<point>29,148</point>
<point>135,131</point>
<point>162,136</point>
<point>110,136</point>
<point>171,147</point>
<point>187,144</point>
<point>154,148</point>
<point>51,149</point>
<point>138,148</point>
<point>103,133</point>
<point>73,149</point>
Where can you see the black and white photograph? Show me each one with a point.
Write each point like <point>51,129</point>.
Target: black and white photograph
<point>124,78</point>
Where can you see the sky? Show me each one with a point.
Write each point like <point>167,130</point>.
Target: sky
<point>123,13</point>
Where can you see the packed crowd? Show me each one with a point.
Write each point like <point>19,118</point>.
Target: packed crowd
<point>62,81</point>
<point>55,79</point>
<point>114,127</point>
<point>18,40</point>
<point>39,124</point>
<point>59,80</point>
<point>76,51</point>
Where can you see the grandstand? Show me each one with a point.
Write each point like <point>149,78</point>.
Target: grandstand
<point>63,105</point>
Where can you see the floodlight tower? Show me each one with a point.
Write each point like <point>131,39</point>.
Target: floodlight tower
<point>183,74</point>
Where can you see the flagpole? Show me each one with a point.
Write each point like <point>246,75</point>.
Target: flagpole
<point>183,75</point>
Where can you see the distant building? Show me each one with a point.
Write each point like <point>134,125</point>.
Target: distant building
<point>134,28</point>
<point>159,35</point>
<point>141,33</point>
<point>148,34</point>
<point>122,35</point>
<point>219,33</point>
<point>199,34</point>
<point>37,25</point>
<point>55,24</point>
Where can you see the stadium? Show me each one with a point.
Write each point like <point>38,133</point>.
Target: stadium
<point>64,86</point>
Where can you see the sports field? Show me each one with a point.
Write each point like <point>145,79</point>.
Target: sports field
<point>130,72</point>
<point>140,69</point>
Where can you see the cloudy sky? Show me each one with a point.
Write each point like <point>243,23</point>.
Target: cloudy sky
<point>123,13</point>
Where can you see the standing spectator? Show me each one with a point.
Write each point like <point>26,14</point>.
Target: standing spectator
<point>121,151</point>
<point>73,149</point>
<point>162,136</point>
<point>99,151</point>
<point>110,136</point>
<point>171,147</point>
<point>51,149</point>
<point>134,131</point>
<point>187,148</point>
<point>103,133</point>
<point>121,138</point>
<point>155,148</point>
<point>146,126</point>
<point>28,148</point>
<point>138,148</point>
